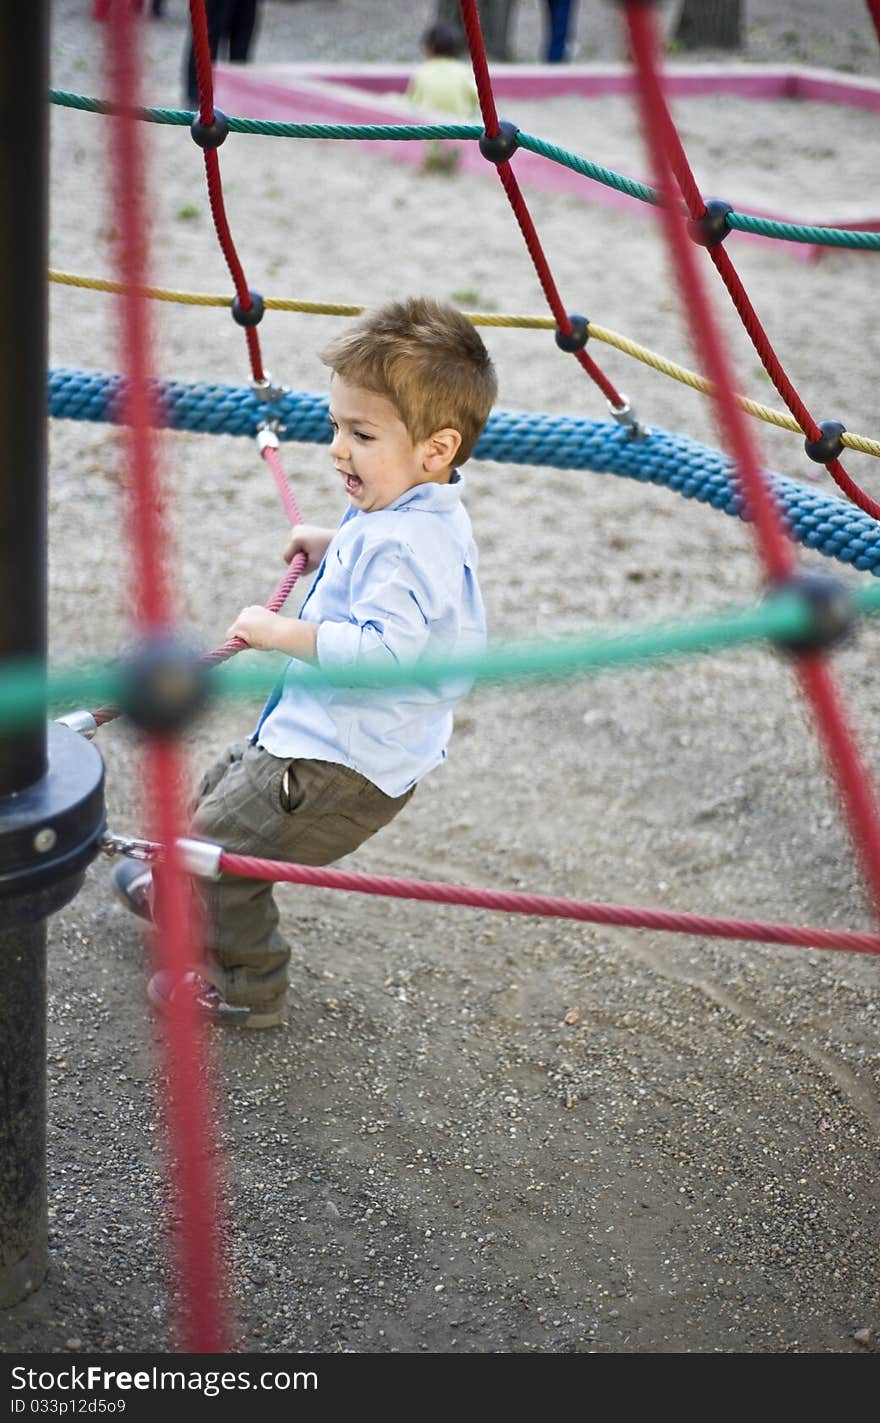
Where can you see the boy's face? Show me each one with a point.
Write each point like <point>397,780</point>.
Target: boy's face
<point>372,448</point>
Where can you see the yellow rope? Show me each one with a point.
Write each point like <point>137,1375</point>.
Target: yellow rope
<point>780,418</point>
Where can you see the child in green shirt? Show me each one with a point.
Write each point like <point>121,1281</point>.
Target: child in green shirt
<point>443,83</point>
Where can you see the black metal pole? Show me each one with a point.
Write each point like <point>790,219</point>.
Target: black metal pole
<point>24,1241</point>
<point>24,147</point>
<point>51,780</point>
<point>23,261</point>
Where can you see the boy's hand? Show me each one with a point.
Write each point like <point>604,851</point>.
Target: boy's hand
<point>270,632</point>
<point>310,540</point>
<point>258,627</point>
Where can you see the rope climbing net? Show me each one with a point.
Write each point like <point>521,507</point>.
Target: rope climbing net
<point>803,614</point>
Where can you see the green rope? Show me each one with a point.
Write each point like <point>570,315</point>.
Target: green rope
<point>276,129</point>
<point>102,106</point>
<point>273,128</point>
<point>795,232</point>
<point>27,688</point>
<point>767,227</point>
<point>607,176</point>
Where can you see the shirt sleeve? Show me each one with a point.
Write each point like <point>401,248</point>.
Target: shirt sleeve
<point>393,603</point>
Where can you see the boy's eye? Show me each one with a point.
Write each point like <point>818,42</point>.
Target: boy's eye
<point>361,435</point>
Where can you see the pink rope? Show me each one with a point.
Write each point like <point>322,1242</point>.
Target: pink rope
<point>295,568</point>
<point>274,604</point>
<point>288,498</point>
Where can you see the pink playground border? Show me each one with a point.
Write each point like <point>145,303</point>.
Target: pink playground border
<point>350,94</point>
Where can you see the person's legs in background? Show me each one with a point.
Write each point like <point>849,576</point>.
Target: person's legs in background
<point>242,25</point>
<point>560,18</point>
<point>218,14</point>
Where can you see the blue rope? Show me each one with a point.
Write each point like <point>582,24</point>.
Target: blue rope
<point>831,525</point>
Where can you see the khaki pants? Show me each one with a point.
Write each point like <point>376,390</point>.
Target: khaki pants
<point>307,812</point>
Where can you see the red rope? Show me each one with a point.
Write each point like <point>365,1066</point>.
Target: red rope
<point>596,374</point>
<point>751,321</point>
<point>188,1105</point>
<point>858,799</point>
<point>205,83</point>
<point>775,370</point>
<point>144,495</point>
<point>480,62</point>
<point>874,11</point>
<point>842,751</point>
<point>761,342</point>
<point>224,235</point>
<point>656,125</point>
<point>852,491</point>
<point>533,243</point>
<point>545,277</point>
<point>202,55</point>
<point>474,33</point>
<point>549,906</point>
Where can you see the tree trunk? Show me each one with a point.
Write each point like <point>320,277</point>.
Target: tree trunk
<point>709,24</point>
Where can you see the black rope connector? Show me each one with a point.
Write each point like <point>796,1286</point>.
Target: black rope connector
<point>210,135</point>
<point>832,612</point>
<point>830,446</point>
<point>164,684</point>
<point>504,143</point>
<point>577,338</point>
<point>712,228</point>
<point>249,315</point>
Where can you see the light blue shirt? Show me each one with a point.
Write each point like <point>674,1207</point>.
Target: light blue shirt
<point>395,585</point>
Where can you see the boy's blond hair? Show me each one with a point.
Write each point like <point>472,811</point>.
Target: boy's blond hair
<point>427,359</point>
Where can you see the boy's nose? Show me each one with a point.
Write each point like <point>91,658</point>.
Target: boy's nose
<point>337,447</point>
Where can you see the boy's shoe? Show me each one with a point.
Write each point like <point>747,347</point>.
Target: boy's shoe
<point>133,883</point>
<point>211,1007</point>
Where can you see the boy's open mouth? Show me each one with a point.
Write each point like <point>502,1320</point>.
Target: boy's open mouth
<point>353,484</point>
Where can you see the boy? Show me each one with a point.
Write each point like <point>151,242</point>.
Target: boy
<point>411,390</point>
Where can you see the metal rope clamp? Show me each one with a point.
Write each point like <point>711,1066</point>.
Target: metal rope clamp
<point>266,391</point>
<point>626,416</point>
<point>197,857</point>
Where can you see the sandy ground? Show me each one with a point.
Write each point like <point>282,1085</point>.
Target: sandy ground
<point>486,1134</point>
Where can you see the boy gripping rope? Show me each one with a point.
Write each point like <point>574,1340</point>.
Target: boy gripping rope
<point>412,386</point>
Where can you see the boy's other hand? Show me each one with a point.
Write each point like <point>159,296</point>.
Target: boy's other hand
<point>270,632</point>
<point>310,540</point>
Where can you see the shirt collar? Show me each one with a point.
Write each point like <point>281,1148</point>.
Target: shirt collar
<point>431,496</point>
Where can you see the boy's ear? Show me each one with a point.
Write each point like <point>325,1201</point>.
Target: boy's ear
<point>441,449</point>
